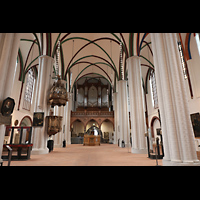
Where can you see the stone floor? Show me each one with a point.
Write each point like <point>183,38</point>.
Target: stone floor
<point>79,155</point>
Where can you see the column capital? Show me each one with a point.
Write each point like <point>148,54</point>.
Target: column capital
<point>133,61</point>
<point>122,81</point>
<point>48,57</point>
<point>133,57</point>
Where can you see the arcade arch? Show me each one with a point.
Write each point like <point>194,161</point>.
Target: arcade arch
<point>155,124</point>
<point>77,128</point>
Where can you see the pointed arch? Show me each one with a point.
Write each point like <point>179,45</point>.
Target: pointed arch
<point>38,43</point>
<point>76,119</point>
<point>95,64</point>
<point>144,36</point>
<point>107,119</point>
<point>95,56</point>
<point>78,78</point>
<point>92,119</point>
<point>89,42</point>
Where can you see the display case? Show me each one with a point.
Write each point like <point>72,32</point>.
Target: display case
<point>91,140</point>
<point>92,137</point>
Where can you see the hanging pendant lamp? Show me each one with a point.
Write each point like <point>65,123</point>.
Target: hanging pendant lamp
<point>58,92</point>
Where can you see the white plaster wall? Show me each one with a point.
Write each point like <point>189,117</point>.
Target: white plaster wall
<point>19,114</point>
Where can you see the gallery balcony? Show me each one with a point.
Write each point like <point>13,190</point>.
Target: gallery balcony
<point>92,113</point>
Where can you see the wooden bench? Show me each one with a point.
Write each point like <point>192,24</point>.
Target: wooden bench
<point>23,146</point>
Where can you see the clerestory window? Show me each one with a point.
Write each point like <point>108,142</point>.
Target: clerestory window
<point>182,60</point>
<point>153,89</point>
<point>29,90</point>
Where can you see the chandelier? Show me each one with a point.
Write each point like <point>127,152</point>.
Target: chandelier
<point>58,92</point>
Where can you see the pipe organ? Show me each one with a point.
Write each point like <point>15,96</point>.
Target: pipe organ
<point>92,94</point>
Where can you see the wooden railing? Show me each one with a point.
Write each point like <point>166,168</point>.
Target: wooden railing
<point>92,113</point>
<point>19,141</point>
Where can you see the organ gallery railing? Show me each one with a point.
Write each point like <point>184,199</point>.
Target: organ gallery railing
<point>92,113</point>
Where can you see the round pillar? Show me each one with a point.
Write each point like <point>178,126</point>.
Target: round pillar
<point>136,98</point>
<point>178,136</point>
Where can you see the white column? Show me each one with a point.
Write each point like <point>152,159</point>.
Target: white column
<point>123,128</point>
<point>178,136</point>
<point>137,113</point>
<point>68,118</point>
<point>61,133</point>
<point>6,46</point>
<point>65,122</point>
<point>2,135</point>
<point>10,78</point>
<point>9,45</point>
<point>40,136</point>
<point>116,116</point>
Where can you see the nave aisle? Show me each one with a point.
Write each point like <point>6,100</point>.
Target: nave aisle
<point>79,155</point>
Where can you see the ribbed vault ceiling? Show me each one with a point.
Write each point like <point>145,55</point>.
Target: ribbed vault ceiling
<point>87,54</point>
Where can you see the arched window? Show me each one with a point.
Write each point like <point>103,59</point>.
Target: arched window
<point>29,90</point>
<point>182,60</point>
<point>153,89</point>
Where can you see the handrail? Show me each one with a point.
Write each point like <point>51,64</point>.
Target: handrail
<point>9,154</point>
<point>20,129</point>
